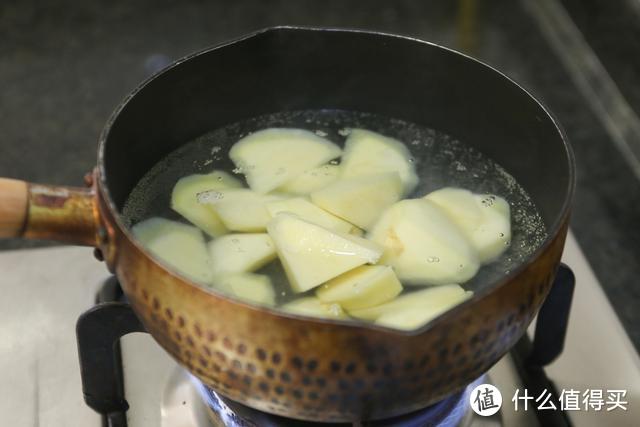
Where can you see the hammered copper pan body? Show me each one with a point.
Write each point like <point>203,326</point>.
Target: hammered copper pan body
<point>300,367</point>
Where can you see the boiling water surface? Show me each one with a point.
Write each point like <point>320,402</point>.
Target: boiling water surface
<point>440,160</point>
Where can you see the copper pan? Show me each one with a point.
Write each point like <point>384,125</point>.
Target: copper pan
<point>299,367</point>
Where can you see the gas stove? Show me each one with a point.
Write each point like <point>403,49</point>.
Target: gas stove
<point>46,290</point>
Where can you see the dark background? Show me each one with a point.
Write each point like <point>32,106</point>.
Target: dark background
<point>65,65</point>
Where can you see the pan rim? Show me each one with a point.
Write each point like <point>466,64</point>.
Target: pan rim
<point>552,232</point>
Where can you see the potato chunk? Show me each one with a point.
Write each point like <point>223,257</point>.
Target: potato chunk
<point>238,253</point>
<point>184,200</point>
<point>241,209</point>
<point>367,153</point>
<point>423,245</point>
<point>434,299</point>
<point>311,180</point>
<point>311,254</point>
<point>180,246</point>
<point>312,306</point>
<point>414,316</point>
<point>483,218</point>
<point>361,199</point>
<point>310,212</point>
<point>272,157</point>
<point>251,287</point>
<point>361,287</point>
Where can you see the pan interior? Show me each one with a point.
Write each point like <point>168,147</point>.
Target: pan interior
<point>440,160</point>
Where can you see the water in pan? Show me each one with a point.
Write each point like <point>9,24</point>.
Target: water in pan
<point>440,161</point>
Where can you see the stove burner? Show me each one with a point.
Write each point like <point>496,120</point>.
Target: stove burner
<point>446,413</point>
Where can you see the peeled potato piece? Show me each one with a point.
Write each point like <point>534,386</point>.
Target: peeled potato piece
<point>184,199</point>
<point>241,209</point>
<point>312,306</point>
<point>436,299</point>
<point>237,253</point>
<point>311,180</point>
<point>310,212</point>
<point>180,246</point>
<point>483,218</point>
<point>412,318</point>
<point>311,254</point>
<point>361,287</point>
<point>423,245</point>
<point>247,286</point>
<point>367,153</point>
<point>361,199</point>
<point>272,157</point>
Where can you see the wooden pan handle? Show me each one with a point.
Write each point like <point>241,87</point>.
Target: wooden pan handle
<point>14,198</point>
<point>35,211</point>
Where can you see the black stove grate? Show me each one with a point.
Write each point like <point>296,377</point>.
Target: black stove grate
<point>101,327</point>
<point>98,332</point>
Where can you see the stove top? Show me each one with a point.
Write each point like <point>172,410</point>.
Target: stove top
<point>41,377</point>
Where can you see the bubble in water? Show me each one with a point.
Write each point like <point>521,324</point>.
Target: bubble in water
<point>207,162</point>
<point>460,167</point>
<point>501,234</point>
<point>320,133</point>
<point>344,132</point>
<point>415,142</point>
<point>488,201</point>
<point>215,149</point>
<point>411,160</point>
<point>333,162</point>
<point>433,259</point>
